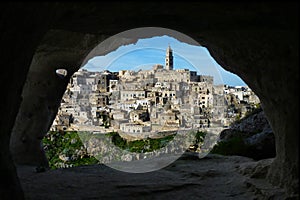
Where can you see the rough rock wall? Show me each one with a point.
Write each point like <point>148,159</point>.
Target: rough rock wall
<point>258,41</point>
<point>252,137</point>
<point>43,91</point>
<point>267,59</point>
<point>19,37</point>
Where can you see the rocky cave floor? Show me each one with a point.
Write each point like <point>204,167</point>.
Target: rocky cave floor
<point>212,177</point>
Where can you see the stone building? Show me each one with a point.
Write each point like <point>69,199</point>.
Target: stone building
<point>132,94</point>
<point>206,78</point>
<point>161,96</point>
<point>169,59</point>
<point>103,84</point>
<point>139,116</point>
<point>135,128</point>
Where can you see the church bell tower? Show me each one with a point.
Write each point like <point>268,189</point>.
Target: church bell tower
<point>169,59</point>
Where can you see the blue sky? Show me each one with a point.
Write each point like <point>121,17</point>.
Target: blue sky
<point>147,52</point>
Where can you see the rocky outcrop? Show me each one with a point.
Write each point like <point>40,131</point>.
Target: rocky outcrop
<point>43,90</point>
<point>253,123</point>
<point>253,136</point>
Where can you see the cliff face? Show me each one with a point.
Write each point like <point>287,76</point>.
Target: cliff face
<point>257,41</point>
<point>251,136</point>
<point>253,123</point>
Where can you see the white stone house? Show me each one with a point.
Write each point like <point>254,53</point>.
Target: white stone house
<point>134,128</point>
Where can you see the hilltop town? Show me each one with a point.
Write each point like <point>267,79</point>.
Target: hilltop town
<point>149,103</point>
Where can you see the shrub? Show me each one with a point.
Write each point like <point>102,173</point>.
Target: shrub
<point>233,146</point>
<point>139,146</point>
<point>65,143</point>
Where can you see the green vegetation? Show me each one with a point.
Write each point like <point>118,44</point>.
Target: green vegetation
<point>199,137</point>
<point>236,145</point>
<point>139,146</point>
<point>233,146</point>
<point>65,149</point>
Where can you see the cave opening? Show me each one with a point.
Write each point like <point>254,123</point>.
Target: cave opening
<point>70,142</point>
<point>101,72</point>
